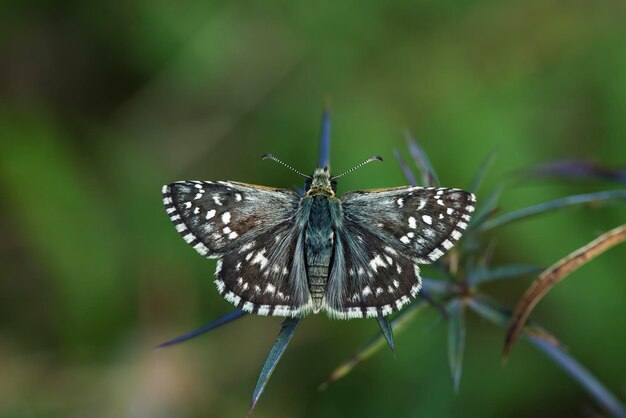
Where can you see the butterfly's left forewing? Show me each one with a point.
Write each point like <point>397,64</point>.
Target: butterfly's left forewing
<point>255,233</point>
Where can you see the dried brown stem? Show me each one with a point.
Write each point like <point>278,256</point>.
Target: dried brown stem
<point>550,277</point>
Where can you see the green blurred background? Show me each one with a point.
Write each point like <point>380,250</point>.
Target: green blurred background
<point>103,102</point>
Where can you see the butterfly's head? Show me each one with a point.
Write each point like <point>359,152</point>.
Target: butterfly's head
<point>321,183</point>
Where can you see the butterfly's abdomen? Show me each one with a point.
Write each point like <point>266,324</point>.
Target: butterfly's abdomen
<point>319,249</point>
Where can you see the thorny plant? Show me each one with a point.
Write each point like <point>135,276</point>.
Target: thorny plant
<point>465,269</point>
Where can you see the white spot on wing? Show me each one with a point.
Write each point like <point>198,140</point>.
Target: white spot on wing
<point>377,262</point>
<point>201,248</point>
<point>260,259</point>
<point>226,218</point>
<point>412,223</point>
<point>435,254</point>
<point>282,310</point>
<point>246,247</point>
<point>220,285</point>
<point>210,214</point>
<point>354,313</point>
<point>427,219</point>
<point>390,250</point>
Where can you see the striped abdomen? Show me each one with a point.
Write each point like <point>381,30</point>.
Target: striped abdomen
<point>319,249</point>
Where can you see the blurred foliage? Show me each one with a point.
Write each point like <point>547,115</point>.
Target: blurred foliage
<point>102,102</point>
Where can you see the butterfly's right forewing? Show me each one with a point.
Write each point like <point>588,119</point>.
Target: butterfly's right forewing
<point>421,222</point>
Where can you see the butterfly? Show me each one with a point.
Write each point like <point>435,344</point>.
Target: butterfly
<point>283,254</point>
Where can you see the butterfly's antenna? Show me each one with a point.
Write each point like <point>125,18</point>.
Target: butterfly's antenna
<point>271,157</point>
<point>369,160</point>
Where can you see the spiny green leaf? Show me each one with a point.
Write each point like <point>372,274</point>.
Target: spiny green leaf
<point>482,171</point>
<point>553,205</point>
<point>548,344</point>
<point>438,286</point>
<point>487,209</point>
<point>236,314</point>
<point>398,324</point>
<point>406,170</point>
<point>284,337</point>
<point>498,314</point>
<point>385,328</point>
<point>577,170</point>
<point>323,159</point>
<point>482,274</point>
<point>429,176</point>
<point>456,340</point>
<point>580,374</point>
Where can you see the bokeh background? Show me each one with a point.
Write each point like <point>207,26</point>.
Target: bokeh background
<point>103,102</point>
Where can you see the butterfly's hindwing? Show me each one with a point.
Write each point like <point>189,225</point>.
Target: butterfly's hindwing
<point>422,223</point>
<point>263,277</point>
<point>368,277</point>
<point>256,233</point>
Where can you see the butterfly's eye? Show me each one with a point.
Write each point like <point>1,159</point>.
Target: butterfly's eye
<point>333,185</point>
<point>307,184</point>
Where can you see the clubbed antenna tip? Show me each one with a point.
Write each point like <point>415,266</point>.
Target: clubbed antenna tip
<point>271,157</point>
<point>369,160</point>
